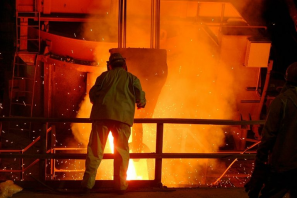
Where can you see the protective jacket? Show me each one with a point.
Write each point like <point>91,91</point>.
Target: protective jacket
<point>279,135</point>
<point>114,96</point>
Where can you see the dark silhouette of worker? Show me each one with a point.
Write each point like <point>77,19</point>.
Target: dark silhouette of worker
<point>276,159</point>
<point>113,97</point>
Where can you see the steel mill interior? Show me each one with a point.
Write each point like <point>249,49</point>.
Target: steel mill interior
<point>210,69</point>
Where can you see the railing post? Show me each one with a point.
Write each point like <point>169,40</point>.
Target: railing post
<point>22,166</point>
<point>42,151</point>
<point>159,150</point>
<point>53,145</point>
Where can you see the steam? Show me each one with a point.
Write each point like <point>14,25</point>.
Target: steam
<point>198,86</point>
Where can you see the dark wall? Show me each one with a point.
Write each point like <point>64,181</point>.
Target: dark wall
<point>7,32</point>
<point>280,28</point>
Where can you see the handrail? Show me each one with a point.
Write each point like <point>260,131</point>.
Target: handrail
<point>139,120</point>
<point>158,155</point>
<point>238,155</point>
<point>10,151</point>
<point>34,162</point>
<point>36,140</point>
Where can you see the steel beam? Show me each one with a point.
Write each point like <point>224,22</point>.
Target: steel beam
<point>220,155</point>
<point>137,120</point>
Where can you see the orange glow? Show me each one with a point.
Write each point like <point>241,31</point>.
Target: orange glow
<point>204,82</point>
<point>110,140</point>
<point>131,173</point>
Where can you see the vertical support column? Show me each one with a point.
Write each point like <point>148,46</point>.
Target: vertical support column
<point>42,151</point>
<point>198,10</point>
<point>120,31</point>
<point>159,151</point>
<point>125,23</point>
<point>53,144</point>
<point>155,24</point>
<point>255,127</point>
<point>22,166</point>
<point>242,140</point>
<point>39,37</point>
<point>222,16</point>
<point>122,23</point>
<point>48,89</point>
<point>23,33</point>
<point>152,23</point>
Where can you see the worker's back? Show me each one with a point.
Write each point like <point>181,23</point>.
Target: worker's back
<point>284,153</point>
<point>113,96</point>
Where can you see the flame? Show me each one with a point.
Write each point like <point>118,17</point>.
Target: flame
<point>131,173</point>
<point>110,140</point>
<point>199,85</point>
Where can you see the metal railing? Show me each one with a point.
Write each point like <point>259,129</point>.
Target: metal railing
<point>45,153</point>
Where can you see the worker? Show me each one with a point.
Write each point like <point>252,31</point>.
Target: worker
<point>276,158</point>
<point>113,97</point>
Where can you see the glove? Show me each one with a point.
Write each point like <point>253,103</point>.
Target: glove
<point>259,177</point>
<point>140,104</point>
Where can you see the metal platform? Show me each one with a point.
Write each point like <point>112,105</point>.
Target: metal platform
<point>145,193</point>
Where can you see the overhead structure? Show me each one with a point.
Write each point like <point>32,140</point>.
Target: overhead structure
<point>54,64</point>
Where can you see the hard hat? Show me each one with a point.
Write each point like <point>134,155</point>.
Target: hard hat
<point>115,59</point>
<point>291,73</point>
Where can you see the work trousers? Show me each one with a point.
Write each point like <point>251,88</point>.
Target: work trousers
<point>279,184</point>
<point>98,137</point>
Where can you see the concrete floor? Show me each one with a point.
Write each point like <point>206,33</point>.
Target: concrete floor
<point>168,193</point>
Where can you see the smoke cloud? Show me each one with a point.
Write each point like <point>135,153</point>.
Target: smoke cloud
<point>199,85</point>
